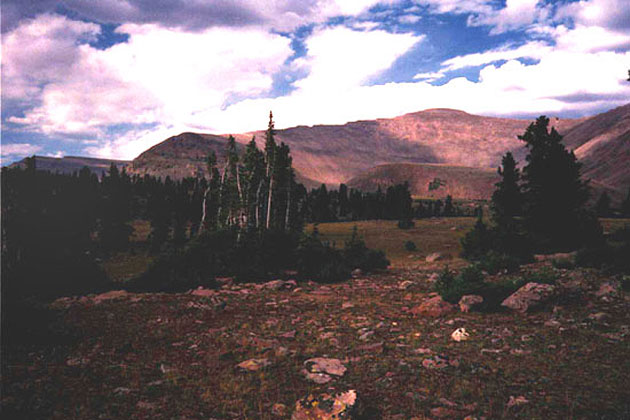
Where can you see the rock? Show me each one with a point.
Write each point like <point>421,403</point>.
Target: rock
<point>321,370</point>
<point>444,413</point>
<point>114,294</point>
<point>225,281</point>
<point>357,272</point>
<point>253,365</point>
<point>200,291</point>
<point>433,277</point>
<point>557,256</point>
<point>347,305</point>
<point>469,302</point>
<point>607,290</point>
<point>433,257</point>
<point>325,365</point>
<point>434,307</point>
<point>279,285</point>
<point>598,317</point>
<point>344,405</point>
<point>279,410</point>
<point>460,334</point>
<point>529,296</point>
<point>405,285</point>
<point>515,401</point>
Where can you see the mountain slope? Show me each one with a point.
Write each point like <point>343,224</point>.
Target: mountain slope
<point>430,180</point>
<point>71,164</point>
<point>602,144</point>
<point>337,153</point>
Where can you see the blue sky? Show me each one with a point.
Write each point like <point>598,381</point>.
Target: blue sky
<point>114,77</point>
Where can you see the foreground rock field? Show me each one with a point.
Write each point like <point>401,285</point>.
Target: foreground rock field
<point>360,347</point>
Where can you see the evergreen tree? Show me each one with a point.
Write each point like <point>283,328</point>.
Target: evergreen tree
<point>506,199</point>
<point>555,196</point>
<point>449,209</point>
<point>625,206</point>
<point>603,205</point>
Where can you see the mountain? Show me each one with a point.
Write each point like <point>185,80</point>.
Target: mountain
<point>602,144</point>
<point>461,149</point>
<point>71,164</point>
<point>430,180</point>
<point>185,155</point>
<point>336,153</point>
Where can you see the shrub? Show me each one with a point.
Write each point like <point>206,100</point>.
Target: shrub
<point>320,262</point>
<point>477,242</point>
<point>452,287</point>
<point>406,224</point>
<point>247,256</point>
<point>494,262</point>
<point>563,263</point>
<point>358,255</point>
<point>410,246</point>
<point>610,257</point>
<point>544,276</point>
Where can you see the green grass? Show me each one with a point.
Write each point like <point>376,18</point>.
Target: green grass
<point>430,235</point>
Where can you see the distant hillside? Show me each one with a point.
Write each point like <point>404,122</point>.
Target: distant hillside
<point>185,155</point>
<point>436,143</point>
<point>602,144</point>
<point>337,153</point>
<point>71,164</point>
<point>431,180</point>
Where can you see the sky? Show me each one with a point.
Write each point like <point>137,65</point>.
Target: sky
<point>115,77</point>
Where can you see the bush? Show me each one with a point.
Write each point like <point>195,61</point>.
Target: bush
<point>410,246</point>
<point>494,262</point>
<point>544,276</point>
<point>563,263</point>
<point>406,224</point>
<point>477,242</point>
<point>247,256</point>
<point>358,255</point>
<point>610,257</point>
<point>320,262</point>
<point>452,287</point>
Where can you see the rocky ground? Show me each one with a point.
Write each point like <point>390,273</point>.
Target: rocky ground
<point>370,347</point>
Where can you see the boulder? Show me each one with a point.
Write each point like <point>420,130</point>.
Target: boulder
<point>435,307</point>
<point>343,405</point>
<point>253,365</point>
<point>529,296</point>
<point>470,302</point>
<point>279,285</point>
<point>607,290</point>
<point>114,294</point>
<point>405,285</point>
<point>433,257</point>
<point>321,370</point>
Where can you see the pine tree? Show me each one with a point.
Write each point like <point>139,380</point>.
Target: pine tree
<point>603,205</point>
<point>554,194</point>
<point>625,206</point>
<point>507,197</point>
<point>270,162</point>
<point>449,209</point>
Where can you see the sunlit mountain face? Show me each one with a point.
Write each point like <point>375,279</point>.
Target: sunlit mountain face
<point>112,78</point>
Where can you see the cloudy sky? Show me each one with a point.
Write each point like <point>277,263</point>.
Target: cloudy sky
<point>114,77</point>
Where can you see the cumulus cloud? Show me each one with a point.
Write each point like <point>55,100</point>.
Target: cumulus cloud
<point>194,15</point>
<point>611,14</point>
<point>158,75</point>
<point>18,149</point>
<point>516,14</point>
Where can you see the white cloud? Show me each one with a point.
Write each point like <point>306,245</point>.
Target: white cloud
<point>611,14</point>
<point>195,15</point>
<point>429,77</point>
<point>158,75</point>
<point>409,19</point>
<point>516,14</point>
<point>19,149</point>
<point>534,50</point>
